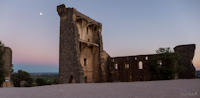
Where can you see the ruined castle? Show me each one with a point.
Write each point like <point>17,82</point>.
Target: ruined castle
<point>6,54</point>
<point>83,60</point>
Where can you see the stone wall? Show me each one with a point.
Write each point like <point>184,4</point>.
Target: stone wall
<point>105,63</point>
<point>186,53</point>
<point>80,47</point>
<point>130,68</point>
<point>70,69</point>
<point>7,58</point>
<point>136,68</point>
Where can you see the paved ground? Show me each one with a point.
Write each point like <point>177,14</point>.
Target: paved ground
<point>152,89</point>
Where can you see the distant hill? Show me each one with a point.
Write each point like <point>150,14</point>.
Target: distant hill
<point>36,68</point>
<point>44,74</point>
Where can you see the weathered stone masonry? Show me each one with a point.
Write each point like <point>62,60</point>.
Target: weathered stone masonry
<point>81,47</point>
<point>136,68</point>
<point>186,53</point>
<point>7,58</point>
<point>82,58</point>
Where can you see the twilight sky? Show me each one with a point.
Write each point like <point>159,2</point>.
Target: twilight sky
<point>130,27</point>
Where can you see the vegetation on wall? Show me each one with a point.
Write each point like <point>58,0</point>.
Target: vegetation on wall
<point>2,77</point>
<point>165,66</point>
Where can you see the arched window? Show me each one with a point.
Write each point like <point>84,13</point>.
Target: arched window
<point>160,62</point>
<point>85,62</point>
<point>140,65</point>
<point>116,66</point>
<point>126,66</point>
<point>146,58</point>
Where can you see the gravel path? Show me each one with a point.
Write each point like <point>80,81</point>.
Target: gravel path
<point>151,89</point>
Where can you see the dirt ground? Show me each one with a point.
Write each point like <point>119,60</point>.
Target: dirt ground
<point>151,89</point>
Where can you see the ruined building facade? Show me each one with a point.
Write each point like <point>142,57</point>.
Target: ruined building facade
<point>81,47</point>
<point>137,68</point>
<point>7,65</point>
<point>82,58</point>
<point>186,53</point>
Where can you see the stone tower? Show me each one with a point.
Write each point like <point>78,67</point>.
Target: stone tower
<point>7,58</point>
<point>186,53</point>
<point>81,49</point>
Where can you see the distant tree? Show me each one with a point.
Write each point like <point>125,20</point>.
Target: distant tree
<point>164,66</point>
<point>2,72</point>
<point>21,76</point>
<point>46,81</point>
<point>163,50</point>
<point>40,82</point>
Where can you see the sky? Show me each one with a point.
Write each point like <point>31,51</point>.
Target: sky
<point>130,27</point>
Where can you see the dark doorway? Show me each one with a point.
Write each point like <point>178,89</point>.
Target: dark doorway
<point>86,79</point>
<point>71,79</point>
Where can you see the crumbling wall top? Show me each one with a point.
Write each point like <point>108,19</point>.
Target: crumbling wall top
<point>61,9</point>
<point>79,15</point>
<point>185,46</point>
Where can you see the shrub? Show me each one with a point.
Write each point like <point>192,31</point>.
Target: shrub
<point>21,76</point>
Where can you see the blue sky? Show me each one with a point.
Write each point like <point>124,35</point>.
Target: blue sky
<point>130,27</point>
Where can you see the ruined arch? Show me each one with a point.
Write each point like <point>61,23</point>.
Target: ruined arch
<point>140,65</point>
